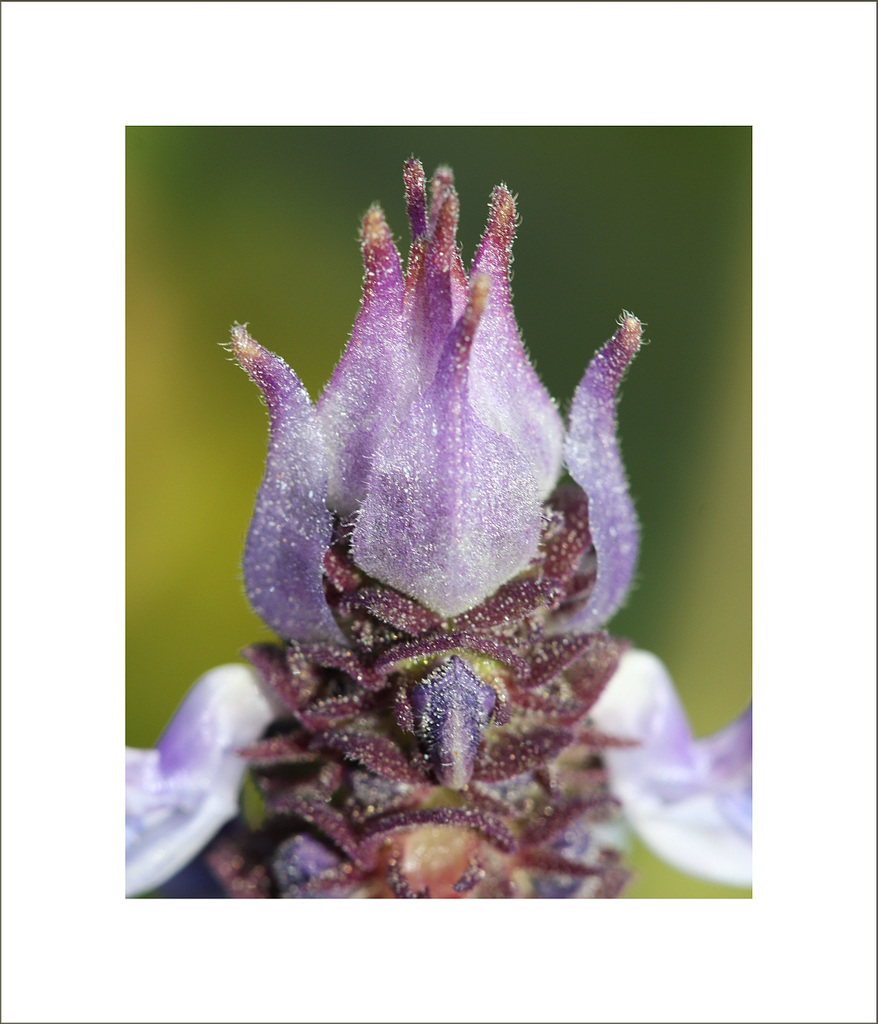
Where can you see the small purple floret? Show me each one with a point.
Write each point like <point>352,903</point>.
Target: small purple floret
<point>301,859</point>
<point>452,707</point>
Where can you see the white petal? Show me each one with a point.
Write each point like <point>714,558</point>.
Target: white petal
<point>179,795</point>
<point>691,806</point>
<point>695,837</point>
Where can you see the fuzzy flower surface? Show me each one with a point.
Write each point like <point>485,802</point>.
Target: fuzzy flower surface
<point>444,715</point>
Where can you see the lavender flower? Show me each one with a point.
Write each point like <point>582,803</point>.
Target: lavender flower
<point>446,716</point>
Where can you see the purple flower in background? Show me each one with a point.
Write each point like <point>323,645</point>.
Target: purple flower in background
<point>444,715</point>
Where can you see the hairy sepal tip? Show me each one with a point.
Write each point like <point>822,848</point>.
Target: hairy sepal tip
<point>245,349</point>
<point>503,220</point>
<point>376,233</point>
<point>630,332</point>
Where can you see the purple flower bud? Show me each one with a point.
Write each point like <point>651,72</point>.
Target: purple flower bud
<point>592,455</point>
<point>689,800</point>
<point>437,426</point>
<point>453,510</point>
<point>398,337</point>
<point>452,707</point>
<point>291,525</point>
<point>303,859</point>
<point>180,794</point>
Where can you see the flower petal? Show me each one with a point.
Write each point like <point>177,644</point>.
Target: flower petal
<point>689,800</point>
<point>506,393</point>
<point>453,510</point>
<point>593,458</point>
<point>291,526</point>
<point>180,794</point>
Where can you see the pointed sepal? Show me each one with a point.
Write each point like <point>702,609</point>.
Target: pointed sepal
<point>452,707</point>
<point>445,281</point>
<point>291,526</point>
<point>593,458</point>
<point>505,390</point>
<point>377,375</point>
<point>415,197</point>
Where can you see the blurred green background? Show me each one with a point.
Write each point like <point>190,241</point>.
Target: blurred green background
<point>260,225</point>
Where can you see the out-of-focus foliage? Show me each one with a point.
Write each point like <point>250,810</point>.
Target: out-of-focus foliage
<point>260,225</point>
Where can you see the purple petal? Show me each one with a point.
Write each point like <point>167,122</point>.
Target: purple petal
<point>452,707</point>
<point>180,794</point>
<point>689,800</point>
<point>291,526</point>
<point>505,391</point>
<point>593,458</point>
<point>376,377</point>
<point>729,754</point>
<point>453,510</point>
<point>730,751</point>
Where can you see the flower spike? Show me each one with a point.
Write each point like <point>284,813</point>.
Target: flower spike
<point>452,511</point>
<point>291,526</point>
<point>447,718</point>
<point>500,367</point>
<point>593,458</point>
